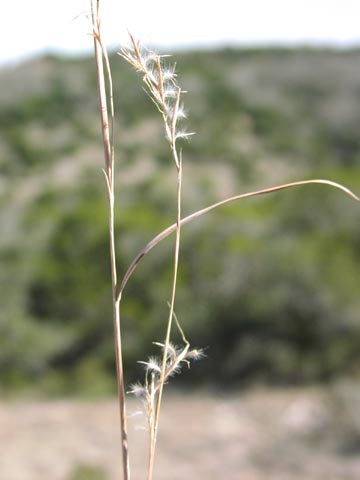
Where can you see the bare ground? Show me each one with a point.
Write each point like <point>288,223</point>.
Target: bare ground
<point>255,435</point>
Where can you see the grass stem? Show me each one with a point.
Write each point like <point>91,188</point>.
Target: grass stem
<point>108,142</point>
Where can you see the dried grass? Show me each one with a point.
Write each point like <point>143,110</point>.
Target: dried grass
<point>161,85</point>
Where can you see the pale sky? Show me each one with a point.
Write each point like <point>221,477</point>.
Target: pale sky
<point>30,27</point>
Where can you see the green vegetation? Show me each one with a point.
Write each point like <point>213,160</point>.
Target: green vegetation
<point>88,473</point>
<point>269,286</point>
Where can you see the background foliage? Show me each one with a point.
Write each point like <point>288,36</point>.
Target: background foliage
<point>268,286</point>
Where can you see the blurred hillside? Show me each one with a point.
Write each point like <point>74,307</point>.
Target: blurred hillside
<point>268,286</point>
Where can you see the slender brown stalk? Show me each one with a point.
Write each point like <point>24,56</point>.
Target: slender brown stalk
<point>178,162</point>
<point>100,54</point>
<point>165,93</point>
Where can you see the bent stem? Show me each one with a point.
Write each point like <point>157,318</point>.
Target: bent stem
<point>108,137</point>
<point>172,228</point>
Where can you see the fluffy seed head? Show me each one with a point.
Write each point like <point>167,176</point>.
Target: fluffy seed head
<point>162,86</point>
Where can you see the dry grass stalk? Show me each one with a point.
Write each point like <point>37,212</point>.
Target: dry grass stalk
<point>154,381</point>
<point>162,87</point>
<point>108,141</point>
